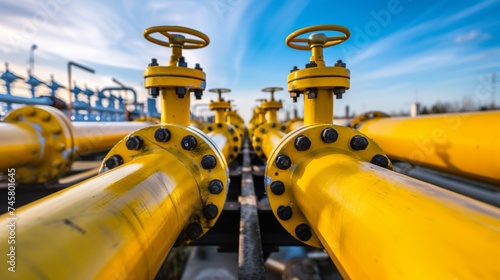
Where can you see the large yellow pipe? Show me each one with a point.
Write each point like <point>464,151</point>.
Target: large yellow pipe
<point>465,144</point>
<point>222,143</point>
<point>91,137</point>
<point>19,145</point>
<point>118,225</point>
<point>377,224</point>
<point>270,139</point>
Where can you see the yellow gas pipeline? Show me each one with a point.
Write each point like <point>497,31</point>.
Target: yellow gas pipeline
<point>162,184</point>
<point>225,135</point>
<point>41,143</point>
<point>464,144</point>
<point>266,135</point>
<point>331,186</point>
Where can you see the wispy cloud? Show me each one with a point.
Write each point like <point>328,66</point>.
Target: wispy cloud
<point>472,35</point>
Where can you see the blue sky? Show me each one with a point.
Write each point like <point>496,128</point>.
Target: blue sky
<point>399,51</point>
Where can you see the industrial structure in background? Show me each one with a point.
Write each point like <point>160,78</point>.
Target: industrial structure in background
<point>114,189</point>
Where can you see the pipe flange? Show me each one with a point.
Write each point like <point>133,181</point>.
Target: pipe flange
<point>234,140</point>
<point>198,153</point>
<point>258,134</point>
<point>56,141</point>
<point>357,121</point>
<point>300,145</point>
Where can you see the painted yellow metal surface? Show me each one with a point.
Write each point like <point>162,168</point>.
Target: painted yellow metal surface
<point>174,110</point>
<point>265,138</point>
<point>41,142</point>
<point>376,224</point>
<point>317,82</point>
<point>122,223</point>
<point>19,145</point>
<point>115,226</point>
<point>294,124</point>
<point>175,82</point>
<point>464,144</point>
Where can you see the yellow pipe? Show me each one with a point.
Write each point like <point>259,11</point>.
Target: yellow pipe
<point>270,139</point>
<point>220,116</point>
<point>19,145</point>
<point>376,224</point>
<point>91,137</point>
<point>175,110</point>
<point>272,116</point>
<point>465,144</point>
<point>221,142</point>
<point>118,225</point>
<point>320,109</point>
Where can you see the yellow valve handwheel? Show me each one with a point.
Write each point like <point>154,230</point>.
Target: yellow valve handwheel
<point>317,39</point>
<point>177,38</point>
<point>220,90</point>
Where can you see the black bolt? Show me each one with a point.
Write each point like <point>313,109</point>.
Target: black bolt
<point>277,187</point>
<point>198,93</point>
<point>182,62</point>
<point>154,62</point>
<point>180,91</point>
<point>329,135</point>
<point>262,130</point>
<point>197,66</point>
<point>236,149</point>
<point>210,211</point>
<point>359,143</point>
<point>283,162</point>
<point>258,148</point>
<point>312,93</point>
<point>134,143</point>
<point>235,138</point>
<point>284,212</point>
<point>273,125</point>
<point>215,187</point>
<point>257,139</point>
<point>210,128</point>
<point>231,156</point>
<point>237,126</point>
<point>295,68</point>
<point>230,129</point>
<point>380,160</point>
<point>208,162</point>
<point>189,143</point>
<point>283,127</point>
<point>194,230</point>
<point>302,143</point>
<point>154,92</point>
<point>162,135</point>
<point>340,63</point>
<point>113,161</point>
<point>311,64</point>
<point>303,232</point>
<point>219,125</point>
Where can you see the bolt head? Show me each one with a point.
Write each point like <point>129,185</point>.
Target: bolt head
<point>303,232</point>
<point>283,162</point>
<point>208,162</point>
<point>302,143</point>
<point>284,212</point>
<point>193,231</point>
<point>277,187</point>
<point>380,160</point>
<point>162,135</point>
<point>113,161</point>
<point>189,143</point>
<point>236,149</point>
<point>329,135</point>
<point>134,143</point>
<point>210,211</point>
<point>215,187</point>
<point>359,143</point>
